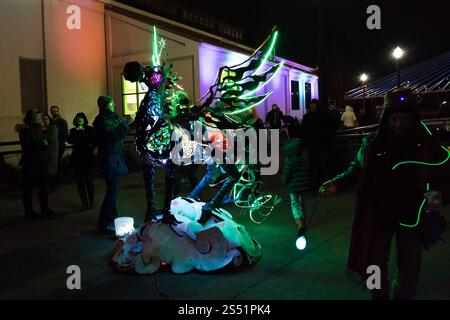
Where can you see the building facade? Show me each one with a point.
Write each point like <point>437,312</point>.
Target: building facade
<point>68,52</point>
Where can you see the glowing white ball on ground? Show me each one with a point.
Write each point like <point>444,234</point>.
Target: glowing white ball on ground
<point>301,243</point>
<point>124,226</point>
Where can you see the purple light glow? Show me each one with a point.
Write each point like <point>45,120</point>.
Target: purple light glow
<point>211,58</point>
<point>156,80</point>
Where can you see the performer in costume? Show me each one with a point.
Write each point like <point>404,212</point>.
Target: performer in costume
<point>234,91</point>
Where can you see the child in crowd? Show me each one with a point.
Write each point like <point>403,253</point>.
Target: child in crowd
<point>295,176</point>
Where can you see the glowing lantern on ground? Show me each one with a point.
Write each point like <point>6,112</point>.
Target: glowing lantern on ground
<point>124,226</point>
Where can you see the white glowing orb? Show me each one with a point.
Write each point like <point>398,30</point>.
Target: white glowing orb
<point>124,226</point>
<point>364,77</point>
<point>398,53</point>
<point>301,243</point>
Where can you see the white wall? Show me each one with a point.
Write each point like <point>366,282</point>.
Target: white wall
<point>20,36</point>
<point>79,69</point>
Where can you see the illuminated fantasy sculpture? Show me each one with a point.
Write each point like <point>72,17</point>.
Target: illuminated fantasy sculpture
<point>233,92</point>
<point>186,238</point>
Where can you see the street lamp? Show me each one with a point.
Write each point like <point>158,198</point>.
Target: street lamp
<point>398,53</point>
<point>363,79</point>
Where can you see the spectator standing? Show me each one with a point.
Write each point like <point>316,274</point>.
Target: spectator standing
<point>274,117</point>
<point>82,159</point>
<point>52,151</point>
<point>349,118</point>
<point>34,163</point>
<point>110,130</point>
<point>63,132</point>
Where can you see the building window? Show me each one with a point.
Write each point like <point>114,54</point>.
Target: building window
<point>132,95</point>
<point>295,95</point>
<point>32,84</point>
<point>307,96</point>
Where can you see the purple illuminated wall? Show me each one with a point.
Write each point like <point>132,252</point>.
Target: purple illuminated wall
<point>211,58</point>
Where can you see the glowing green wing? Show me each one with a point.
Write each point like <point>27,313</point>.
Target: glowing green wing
<point>235,88</point>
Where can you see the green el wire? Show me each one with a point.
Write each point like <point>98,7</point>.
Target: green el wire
<point>426,128</point>
<point>425,163</point>
<point>418,214</point>
<point>263,61</point>
<point>250,106</point>
<point>264,83</point>
<point>428,185</point>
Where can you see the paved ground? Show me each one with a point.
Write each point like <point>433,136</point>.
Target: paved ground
<point>34,255</point>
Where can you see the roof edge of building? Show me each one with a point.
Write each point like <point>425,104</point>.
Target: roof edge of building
<point>191,32</point>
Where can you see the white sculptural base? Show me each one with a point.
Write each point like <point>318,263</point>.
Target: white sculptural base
<point>189,245</point>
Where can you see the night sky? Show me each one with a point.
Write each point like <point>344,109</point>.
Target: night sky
<point>419,27</point>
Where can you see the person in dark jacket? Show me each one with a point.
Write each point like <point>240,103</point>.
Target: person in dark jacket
<point>403,171</point>
<point>51,133</point>
<point>110,130</point>
<point>34,163</point>
<point>274,117</point>
<point>295,176</point>
<point>317,131</point>
<point>63,132</point>
<point>82,159</point>
<point>292,125</point>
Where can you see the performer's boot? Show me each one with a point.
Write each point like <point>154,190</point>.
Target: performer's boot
<point>206,213</point>
<point>215,201</point>
<point>169,218</point>
<point>150,214</point>
<point>301,227</point>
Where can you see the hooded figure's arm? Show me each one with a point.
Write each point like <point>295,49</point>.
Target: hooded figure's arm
<point>351,174</point>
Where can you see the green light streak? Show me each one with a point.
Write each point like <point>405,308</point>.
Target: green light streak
<point>250,106</point>
<point>425,163</point>
<point>232,83</point>
<point>418,214</point>
<point>426,128</point>
<point>428,185</point>
<point>418,217</point>
<point>266,56</point>
<point>264,83</point>
<point>155,58</point>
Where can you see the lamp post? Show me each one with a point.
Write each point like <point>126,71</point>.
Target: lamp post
<point>363,79</point>
<point>398,53</point>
